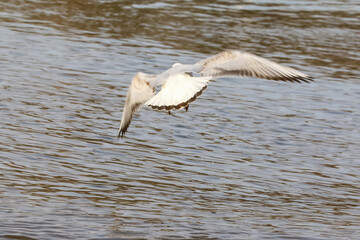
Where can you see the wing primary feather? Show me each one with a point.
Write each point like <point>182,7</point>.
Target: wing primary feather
<point>233,63</point>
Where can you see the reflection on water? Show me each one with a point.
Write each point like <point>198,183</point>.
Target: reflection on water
<point>251,159</point>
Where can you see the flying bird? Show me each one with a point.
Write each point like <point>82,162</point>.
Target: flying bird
<point>183,83</point>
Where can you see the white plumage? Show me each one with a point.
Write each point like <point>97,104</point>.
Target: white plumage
<point>177,91</point>
<point>180,87</point>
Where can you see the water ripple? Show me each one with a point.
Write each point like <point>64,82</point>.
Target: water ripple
<point>251,159</point>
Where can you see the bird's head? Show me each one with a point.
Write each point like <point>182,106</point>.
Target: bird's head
<point>176,64</point>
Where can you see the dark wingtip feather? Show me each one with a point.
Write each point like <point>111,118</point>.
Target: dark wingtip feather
<point>306,79</point>
<point>310,79</point>
<point>121,134</point>
<point>122,131</point>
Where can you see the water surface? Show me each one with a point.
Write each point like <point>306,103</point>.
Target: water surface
<point>251,159</point>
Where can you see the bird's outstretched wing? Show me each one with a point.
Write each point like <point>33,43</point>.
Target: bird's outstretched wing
<point>139,92</point>
<point>232,63</point>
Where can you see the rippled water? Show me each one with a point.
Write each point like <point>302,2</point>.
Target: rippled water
<point>251,159</point>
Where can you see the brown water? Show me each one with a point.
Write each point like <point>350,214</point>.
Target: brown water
<point>251,159</point>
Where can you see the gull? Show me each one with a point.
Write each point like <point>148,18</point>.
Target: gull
<point>183,83</point>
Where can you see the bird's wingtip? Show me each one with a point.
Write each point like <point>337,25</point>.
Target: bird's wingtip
<point>307,79</point>
<point>310,79</point>
<point>121,133</point>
